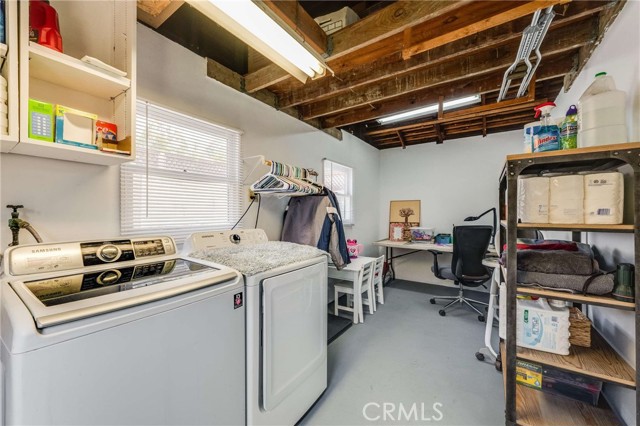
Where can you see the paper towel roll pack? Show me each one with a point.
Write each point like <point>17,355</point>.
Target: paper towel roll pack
<point>533,199</point>
<point>603,198</point>
<point>566,199</point>
<point>594,198</point>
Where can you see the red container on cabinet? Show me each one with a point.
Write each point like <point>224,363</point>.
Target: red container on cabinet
<point>44,28</point>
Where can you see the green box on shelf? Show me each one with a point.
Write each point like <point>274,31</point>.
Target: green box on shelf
<point>41,124</point>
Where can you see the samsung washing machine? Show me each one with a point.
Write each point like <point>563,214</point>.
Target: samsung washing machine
<point>286,319</point>
<point>120,332</point>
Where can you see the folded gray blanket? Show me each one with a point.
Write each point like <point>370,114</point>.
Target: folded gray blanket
<point>579,262</point>
<point>601,284</point>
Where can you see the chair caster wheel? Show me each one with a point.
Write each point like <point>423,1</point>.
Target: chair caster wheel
<point>432,301</point>
<point>479,356</point>
<point>498,366</point>
<point>442,312</point>
<point>481,318</point>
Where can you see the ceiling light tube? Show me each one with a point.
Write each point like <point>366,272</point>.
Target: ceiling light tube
<point>469,100</point>
<point>254,25</point>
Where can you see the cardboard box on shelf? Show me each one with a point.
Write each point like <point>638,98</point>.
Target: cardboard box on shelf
<point>75,127</point>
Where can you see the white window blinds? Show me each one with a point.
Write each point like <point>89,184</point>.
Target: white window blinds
<point>186,176</point>
<point>339,179</point>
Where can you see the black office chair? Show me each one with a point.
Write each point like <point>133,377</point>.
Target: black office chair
<point>470,244</point>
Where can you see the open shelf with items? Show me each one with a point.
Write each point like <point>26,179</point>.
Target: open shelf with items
<point>573,227</point>
<point>101,29</point>
<point>9,71</point>
<point>535,408</point>
<point>600,361</point>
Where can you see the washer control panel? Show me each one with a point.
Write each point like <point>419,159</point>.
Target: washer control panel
<point>33,259</point>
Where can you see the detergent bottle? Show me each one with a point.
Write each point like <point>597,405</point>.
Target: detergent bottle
<point>44,28</point>
<point>547,137</point>
<point>569,129</point>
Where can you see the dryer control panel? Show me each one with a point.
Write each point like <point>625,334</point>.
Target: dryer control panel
<point>34,259</point>
<point>218,239</point>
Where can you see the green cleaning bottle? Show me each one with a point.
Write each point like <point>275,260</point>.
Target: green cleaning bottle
<point>569,129</point>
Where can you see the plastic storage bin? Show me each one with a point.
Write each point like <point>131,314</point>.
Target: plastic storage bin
<point>421,234</point>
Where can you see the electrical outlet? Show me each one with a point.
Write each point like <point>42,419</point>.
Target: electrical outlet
<point>252,194</point>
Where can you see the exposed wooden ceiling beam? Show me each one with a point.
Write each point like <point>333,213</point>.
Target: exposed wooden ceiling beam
<point>548,70</point>
<point>476,65</point>
<point>465,114</point>
<point>392,66</point>
<point>401,139</point>
<point>155,12</point>
<point>294,16</point>
<point>390,21</point>
<point>464,23</point>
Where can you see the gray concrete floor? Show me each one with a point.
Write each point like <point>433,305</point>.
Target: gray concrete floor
<point>408,365</point>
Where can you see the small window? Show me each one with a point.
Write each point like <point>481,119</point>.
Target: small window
<point>186,176</point>
<point>339,179</point>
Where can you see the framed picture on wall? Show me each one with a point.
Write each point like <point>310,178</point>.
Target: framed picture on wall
<point>405,213</point>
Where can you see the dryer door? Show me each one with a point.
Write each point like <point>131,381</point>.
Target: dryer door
<point>294,333</point>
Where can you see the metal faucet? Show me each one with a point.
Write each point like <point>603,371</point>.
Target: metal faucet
<point>15,224</point>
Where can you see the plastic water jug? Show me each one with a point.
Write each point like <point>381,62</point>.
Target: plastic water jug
<point>602,114</point>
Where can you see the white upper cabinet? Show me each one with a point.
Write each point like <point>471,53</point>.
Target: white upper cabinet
<point>104,30</point>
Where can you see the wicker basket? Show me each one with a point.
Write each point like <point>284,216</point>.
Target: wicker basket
<point>580,328</point>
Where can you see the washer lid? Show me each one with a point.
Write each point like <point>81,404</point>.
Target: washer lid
<point>57,300</point>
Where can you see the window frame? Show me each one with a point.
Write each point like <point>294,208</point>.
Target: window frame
<point>347,215</point>
<point>216,185</point>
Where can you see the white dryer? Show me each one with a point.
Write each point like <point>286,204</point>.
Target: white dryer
<point>122,331</point>
<point>286,319</point>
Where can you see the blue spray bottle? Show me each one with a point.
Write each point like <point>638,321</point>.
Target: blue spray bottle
<point>547,137</point>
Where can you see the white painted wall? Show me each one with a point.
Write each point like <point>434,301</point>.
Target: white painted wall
<point>454,180</point>
<point>69,201</point>
<point>618,55</point>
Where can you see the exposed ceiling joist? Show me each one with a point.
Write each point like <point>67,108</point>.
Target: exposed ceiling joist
<point>462,24</point>
<point>393,65</point>
<point>475,65</point>
<point>155,12</point>
<point>296,18</point>
<point>392,20</point>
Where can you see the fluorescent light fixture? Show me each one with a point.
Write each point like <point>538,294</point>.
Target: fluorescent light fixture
<point>254,25</point>
<point>469,100</point>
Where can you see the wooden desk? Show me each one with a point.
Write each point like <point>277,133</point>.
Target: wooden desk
<point>407,245</point>
<point>416,247</point>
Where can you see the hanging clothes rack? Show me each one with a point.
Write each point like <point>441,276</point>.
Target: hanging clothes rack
<point>284,179</point>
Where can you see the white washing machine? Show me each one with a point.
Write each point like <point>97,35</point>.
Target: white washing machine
<point>286,311</point>
<point>120,332</point>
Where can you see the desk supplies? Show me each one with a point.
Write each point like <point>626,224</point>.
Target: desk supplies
<point>443,239</point>
<point>419,234</point>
